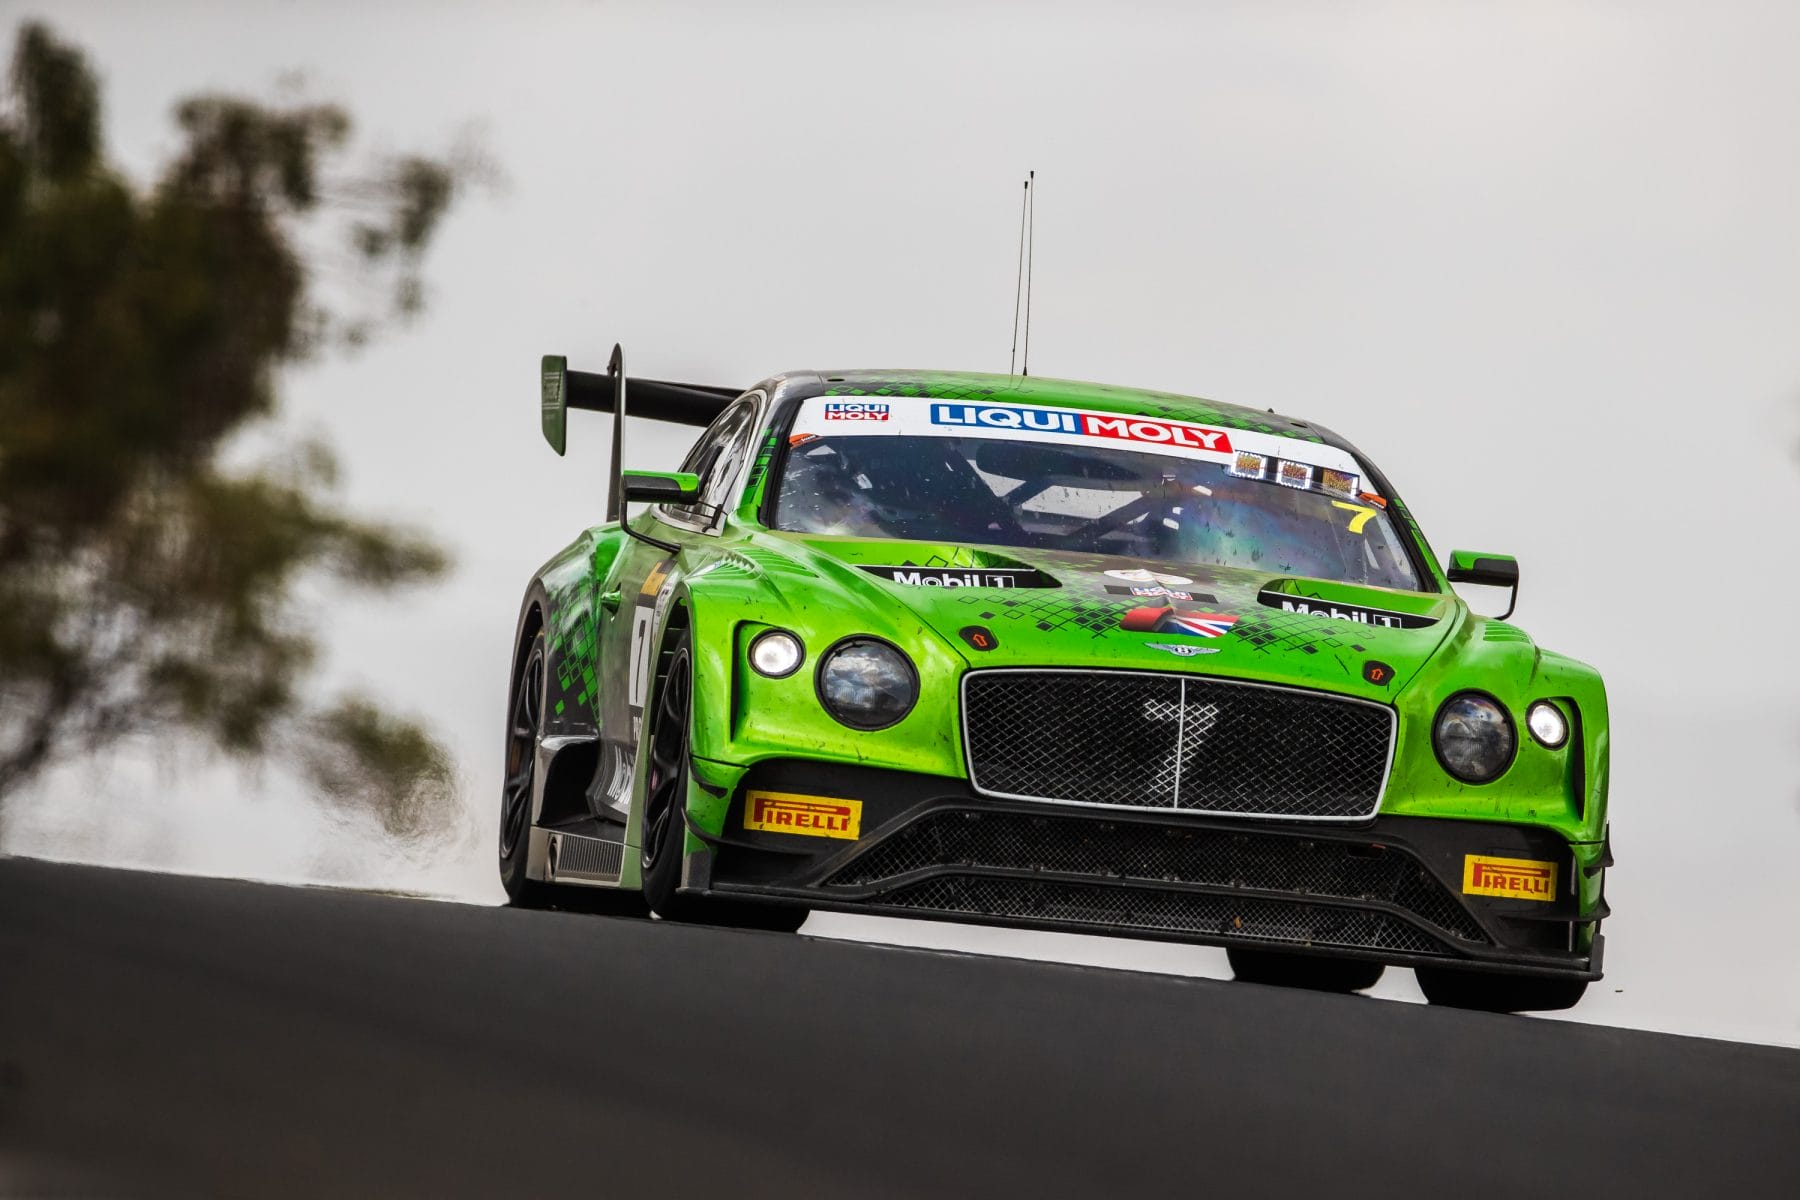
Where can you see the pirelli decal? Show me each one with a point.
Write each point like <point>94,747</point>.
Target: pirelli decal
<point>808,816</point>
<point>1512,878</point>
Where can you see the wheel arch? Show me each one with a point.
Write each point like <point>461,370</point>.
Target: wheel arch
<point>531,620</point>
<point>559,603</point>
<point>712,629</point>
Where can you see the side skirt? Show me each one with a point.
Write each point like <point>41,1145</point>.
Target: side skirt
<point>579,853</point>
<point>573,858</point>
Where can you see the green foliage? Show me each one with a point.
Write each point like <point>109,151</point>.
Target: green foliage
<point>144,588</point>
<point>364,760</point>
<point>61,130</point>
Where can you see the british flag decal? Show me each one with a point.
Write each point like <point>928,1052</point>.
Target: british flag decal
<point>1165,619</point>
<point>1199,624</point>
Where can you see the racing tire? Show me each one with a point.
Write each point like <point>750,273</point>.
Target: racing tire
<point>1484,992</point>
<point>1312,972</point>
<point>664,833</point>
<point>524,721</point>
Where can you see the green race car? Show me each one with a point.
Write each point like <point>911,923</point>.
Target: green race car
<point>1055,655</point>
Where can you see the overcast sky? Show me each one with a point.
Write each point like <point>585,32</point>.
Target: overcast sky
<point>1539,261</point>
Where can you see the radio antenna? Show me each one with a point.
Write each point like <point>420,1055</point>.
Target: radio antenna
<point>1012,362</point>
<point>1030,253</point>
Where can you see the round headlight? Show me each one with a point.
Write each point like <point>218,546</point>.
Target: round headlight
<point>867,684</point>
<point>1547,725</point>
<point>776,653</point>
<point>1473,737</point>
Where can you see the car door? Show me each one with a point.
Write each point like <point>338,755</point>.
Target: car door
<point>635,599</point>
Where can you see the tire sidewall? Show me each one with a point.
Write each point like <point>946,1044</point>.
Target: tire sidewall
<point>662,878</point>
<point>513,866</point>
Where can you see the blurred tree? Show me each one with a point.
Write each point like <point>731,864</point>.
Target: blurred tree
<point>145,588</point>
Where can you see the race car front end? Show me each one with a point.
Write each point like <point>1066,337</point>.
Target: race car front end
<point>1181,804</point>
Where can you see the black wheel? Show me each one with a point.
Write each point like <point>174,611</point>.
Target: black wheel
<point>524,720</point>
<point>774,918</point>
<point>665,791</point>
<point>665,826</point>
<point>1313,972</point>
<point>1486,992</point>
<point>525,716</point>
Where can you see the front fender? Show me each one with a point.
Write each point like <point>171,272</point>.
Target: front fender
<point>1563,789</point>
<point>741,717</point>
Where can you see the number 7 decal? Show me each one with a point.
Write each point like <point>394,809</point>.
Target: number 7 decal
<point>1360,518</point>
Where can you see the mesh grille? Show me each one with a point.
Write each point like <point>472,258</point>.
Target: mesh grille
<point>1173,912</point>
<point>1150,854</point>
<point>573,856</point>
<point>1174,741</point>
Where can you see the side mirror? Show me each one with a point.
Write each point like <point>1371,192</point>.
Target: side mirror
<point>1489,570</point>
<point>662,487</point>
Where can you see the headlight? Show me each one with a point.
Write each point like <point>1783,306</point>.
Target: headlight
<point>1547,725</point>
<point>867,684</point>
<point>1473,737</point>
<point>776,653</point>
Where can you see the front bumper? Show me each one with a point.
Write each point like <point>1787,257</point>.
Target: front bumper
<point>1389,889</point>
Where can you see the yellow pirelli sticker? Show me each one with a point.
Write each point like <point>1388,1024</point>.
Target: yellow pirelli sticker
<point>1513,878</point>
<point>808,816</point>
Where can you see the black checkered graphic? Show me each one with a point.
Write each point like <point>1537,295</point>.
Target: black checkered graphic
<point>1273,630</point>
<point>1048,609</point>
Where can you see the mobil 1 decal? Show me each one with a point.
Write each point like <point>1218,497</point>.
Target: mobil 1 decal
<point>975,577</point>
<point>644,612</point>
<point>1362,614</point>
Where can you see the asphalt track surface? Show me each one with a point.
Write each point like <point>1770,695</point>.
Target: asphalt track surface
<point>162,1035</point>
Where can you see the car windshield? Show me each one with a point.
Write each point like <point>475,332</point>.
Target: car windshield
<point>1248,510</point>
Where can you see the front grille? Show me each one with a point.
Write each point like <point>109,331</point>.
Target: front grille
<point>1137,740</point>
<point>1132,852</point>
<point>1224,917</point>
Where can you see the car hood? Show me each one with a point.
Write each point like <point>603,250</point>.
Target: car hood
<point>1013,607</point>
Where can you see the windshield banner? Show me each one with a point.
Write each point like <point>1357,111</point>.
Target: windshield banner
<point>1248,453</point>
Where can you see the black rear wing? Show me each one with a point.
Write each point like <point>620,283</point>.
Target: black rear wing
<point>561,389</point>
<point>680,403</point>
<point>657,399</point>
